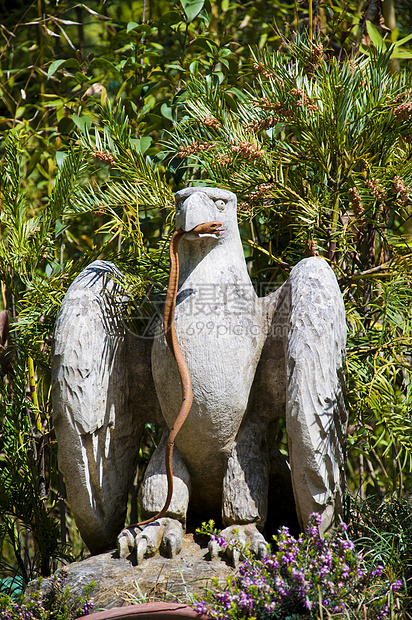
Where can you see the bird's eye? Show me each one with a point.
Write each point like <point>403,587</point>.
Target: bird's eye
<point>220,204</point>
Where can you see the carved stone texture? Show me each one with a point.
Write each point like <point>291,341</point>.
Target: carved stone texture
<point>219,328</point>
<point>97,368</point>
<point>315,409</point>
<point>121,582</point>
<point>252,361</point>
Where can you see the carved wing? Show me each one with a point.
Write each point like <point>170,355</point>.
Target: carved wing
<point>102,395</point>
<point>310,315</point>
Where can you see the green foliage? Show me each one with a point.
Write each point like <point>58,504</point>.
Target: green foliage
<point>30,257</point>
<point>384,533</point>
<point>36,276</point>
<point>314,138</point>
<point>24,483</point>
<point>54,605</point>
<point>318,153</point>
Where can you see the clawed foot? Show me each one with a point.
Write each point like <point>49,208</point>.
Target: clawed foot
<point>235,539</point>
<point>164,534</point>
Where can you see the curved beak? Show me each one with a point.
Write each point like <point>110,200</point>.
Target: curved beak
<point>194,210</point>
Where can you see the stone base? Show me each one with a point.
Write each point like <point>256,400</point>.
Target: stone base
<point>122,582</point>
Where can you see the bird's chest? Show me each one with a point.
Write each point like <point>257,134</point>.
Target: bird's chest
<point>218,328</point>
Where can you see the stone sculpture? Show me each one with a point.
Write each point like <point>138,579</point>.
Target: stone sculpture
<point>252,360</point>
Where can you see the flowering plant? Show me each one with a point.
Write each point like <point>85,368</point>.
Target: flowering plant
<point>310,575</point>
<point>53,605</point>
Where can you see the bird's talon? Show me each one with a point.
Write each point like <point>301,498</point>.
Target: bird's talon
<point>235,557</point>
<point>214,549</point>
<point>171,546</point>
<point>237,539</point>
<point>165,533</point>
<point>141,549</point>
<point>125,543</point>
<point>262,550</point>
<point>172,540</point>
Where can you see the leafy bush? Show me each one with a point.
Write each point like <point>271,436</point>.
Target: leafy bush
<point>384,533</point>
<point>306,575</point>
<point>54,605</point>
<point>315,142</point>
<point>318,151</point>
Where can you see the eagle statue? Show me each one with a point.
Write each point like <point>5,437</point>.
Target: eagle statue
<point>252,361</point>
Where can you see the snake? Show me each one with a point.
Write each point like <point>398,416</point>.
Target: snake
<point>170,334</point>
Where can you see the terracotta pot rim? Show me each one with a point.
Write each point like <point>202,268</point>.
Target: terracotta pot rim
<point>148,611</point>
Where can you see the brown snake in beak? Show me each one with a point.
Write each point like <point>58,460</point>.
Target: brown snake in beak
<point>171,339</point>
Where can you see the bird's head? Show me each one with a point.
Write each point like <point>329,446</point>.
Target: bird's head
<point>197,205</point>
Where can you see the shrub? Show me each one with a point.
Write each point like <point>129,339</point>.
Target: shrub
<point>383,530</point>
<point>309,575</point>
<point>53,605</point>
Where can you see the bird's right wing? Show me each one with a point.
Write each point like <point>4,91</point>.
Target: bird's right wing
<point>307,341</point>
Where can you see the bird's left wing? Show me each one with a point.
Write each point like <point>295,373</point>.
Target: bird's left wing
<point>102,396</point>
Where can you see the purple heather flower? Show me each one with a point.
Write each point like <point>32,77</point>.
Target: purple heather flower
<point>294,574</point>
<point>298,574</point>
<point>397,585</point>
<point>87,607</point>
<point>219,539</point>
<point>348,545</point>
<point>270,606</point>
<point>284,530</point>
<point>201,607</point>
<point>383,613</point>
<point>377,572</point>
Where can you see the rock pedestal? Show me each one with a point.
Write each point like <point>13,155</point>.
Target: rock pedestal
<point>122,582</point>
